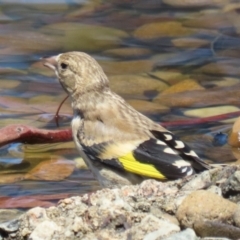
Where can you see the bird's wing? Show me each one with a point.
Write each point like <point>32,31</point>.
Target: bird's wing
<point>156,157</point>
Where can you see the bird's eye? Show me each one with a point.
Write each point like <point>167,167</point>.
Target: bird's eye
<point>63,65</point>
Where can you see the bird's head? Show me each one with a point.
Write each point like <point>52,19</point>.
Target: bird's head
<point>77,72</point>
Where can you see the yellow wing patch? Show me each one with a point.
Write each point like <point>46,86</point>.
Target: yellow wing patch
<point>131,164</point>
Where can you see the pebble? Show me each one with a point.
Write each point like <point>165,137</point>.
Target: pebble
<point>155,30</point>
<point>126,67</point>
<point>234,136</point>
<point>78,36</point>
<point>185,85</point>
<point>125,85</point>
<point>190,42</point>
<point>147,107</point>
<point>211,111</point>
<point>202,206</point>
<point>201,98</point>
<point>194,3</point>
<point>127,52</point>
<point>51,170</point>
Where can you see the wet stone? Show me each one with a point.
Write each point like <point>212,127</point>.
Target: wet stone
<point>194,3</point>
<point>127,67</point>
<point>182,86</point>
<point>162,29</point>
<point>234,136</point>
<point>77,36</point>
<point>190,42</point>
<point>127,52</point>
<point>135,85</point>
<point>210,111</point>
<point>147,106</point>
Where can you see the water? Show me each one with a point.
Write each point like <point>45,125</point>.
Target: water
<point>164,59</point>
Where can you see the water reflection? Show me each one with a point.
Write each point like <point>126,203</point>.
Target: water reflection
<point>167,58</point>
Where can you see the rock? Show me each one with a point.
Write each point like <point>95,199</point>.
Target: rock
<point>233,183</point>
<point>208,21</point>
<point>215,190</point>
<point>155,30</point>
<point>234,136</point>
<point>221,68</point>
<point>135,85</point>
<point>216,229</point>
<point>188,234</point>
<point>189,42</point>
<point>170,77</point>
<point>210,111</point>
<point>9,214</point>
<point>236,217</point>
<point>202,206</point>
<point>9,83</point>
<point>51,170</point>
<point>127,67</point>
<point>200,181</point>
<point>152,228</point>
<point>201,98</point>
<point>185,85</point>
<point>45,230</point>
<point>194,3</point>
<point>127,52</point>
<point>10,226</point>
<point>147,107</point>
<point>77,36</point>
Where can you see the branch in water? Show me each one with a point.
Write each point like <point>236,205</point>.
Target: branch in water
<point>31,135</point>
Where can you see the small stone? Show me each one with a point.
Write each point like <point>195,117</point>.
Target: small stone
<point>221,68</point>
<point>210,111</point>
<point>190,42</point>
<point>152,31</point>
<point>51,170</point>
<point>10,226</point>
<point>236,217</point>
<point>126,67</point>
<point>234,136</point>
<point>171,77</point>
<point>72,36</point>
<point>147,107</point>
<point>216,229</point>
<point>183,86</point>
<point>216,190</point>
<point>127,52</point>
<point>203,205</point>
<point>153,228</point>
<point>233,182</point>
<point>188,234</point>
<point>200,181</point>
<point>135,85</point>
<point>194,3</point>
<point>44,230</point>
<point>201,98</point>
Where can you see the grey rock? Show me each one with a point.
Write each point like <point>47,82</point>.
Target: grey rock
<point>9,227</point>
<point>188,234</point>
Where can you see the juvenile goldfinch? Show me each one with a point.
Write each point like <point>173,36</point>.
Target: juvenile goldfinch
<point>109,130</point>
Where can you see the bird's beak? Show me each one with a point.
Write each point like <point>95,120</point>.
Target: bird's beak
<point>50,62</point>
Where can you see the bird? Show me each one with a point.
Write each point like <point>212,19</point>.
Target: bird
<point>110,131</point>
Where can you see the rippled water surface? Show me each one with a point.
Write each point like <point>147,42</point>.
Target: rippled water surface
<point>172,60</point>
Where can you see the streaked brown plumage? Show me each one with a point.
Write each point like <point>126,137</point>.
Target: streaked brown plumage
<point>107,129</point>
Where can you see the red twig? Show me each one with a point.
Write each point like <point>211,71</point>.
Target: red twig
<point>26,134</point>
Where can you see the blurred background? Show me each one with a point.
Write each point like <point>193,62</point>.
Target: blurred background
<point>173,60</point>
